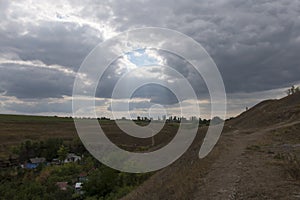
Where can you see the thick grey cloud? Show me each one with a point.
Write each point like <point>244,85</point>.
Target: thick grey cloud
<point>255,44</point>
<point>52,43</point>
<point>157,94</point>
<point>252,42</point>
<point>28,82</point>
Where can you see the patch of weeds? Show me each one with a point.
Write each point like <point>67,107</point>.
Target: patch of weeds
<point>292,166</point>
<point>254,148</point>
<point>279,156</point>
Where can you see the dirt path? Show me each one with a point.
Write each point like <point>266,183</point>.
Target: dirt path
<point>241,166</point>
<point>244,173</point>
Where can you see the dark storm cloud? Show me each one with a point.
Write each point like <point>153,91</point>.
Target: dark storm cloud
<point>255,44</point>
<point>157,94</point>
<point>52,43</point>
<point>188,72</point>
<point>252,42</point>
<point>29,82</point>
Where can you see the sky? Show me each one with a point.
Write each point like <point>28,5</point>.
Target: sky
<point>255,45</point>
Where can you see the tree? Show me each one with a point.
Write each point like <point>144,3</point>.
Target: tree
<point>101,182</point>
<point>50,147</point>
<point>62,152</point>
<point>297,89</point>
<point>293,90</point>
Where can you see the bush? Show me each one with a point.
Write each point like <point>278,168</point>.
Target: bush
<point>293,90</point>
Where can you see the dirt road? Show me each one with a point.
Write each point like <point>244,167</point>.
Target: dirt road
<point>246,168</point>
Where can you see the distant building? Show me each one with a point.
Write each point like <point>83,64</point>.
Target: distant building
<point>193,118</point>
<point>183,120</point>
<point>34,163</point>
<point>37,160</point>
<point>82,177</point>
<point>30,166</point>
<point>55,161</point>
<point>72,157</point>
<point>62,185</point>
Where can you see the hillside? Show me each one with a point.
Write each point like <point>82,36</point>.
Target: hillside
<point>270,112</point>
<point>257,157</point>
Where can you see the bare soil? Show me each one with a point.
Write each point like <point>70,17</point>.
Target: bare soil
<point>257,157</point>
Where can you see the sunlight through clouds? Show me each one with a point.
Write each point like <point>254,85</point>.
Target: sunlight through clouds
<point>42,45</point>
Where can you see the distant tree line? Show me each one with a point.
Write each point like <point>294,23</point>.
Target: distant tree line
<point>50,148</point>
<point>176,119</point>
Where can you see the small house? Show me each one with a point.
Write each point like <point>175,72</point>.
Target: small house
<point>82,177</point>
<point>55,161</point>
<point>38,160</point>
<point>30,165</point>
<point>72,157</point>
<point>34,162</point>
<point>62,185</point>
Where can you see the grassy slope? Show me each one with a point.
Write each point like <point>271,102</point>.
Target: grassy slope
<point>251,160</point>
